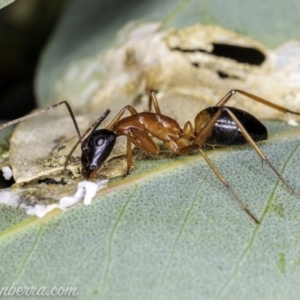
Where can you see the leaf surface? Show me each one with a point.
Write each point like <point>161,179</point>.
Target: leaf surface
<point>169,230</point>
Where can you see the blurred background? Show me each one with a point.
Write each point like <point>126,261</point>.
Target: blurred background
<point>25,27</point>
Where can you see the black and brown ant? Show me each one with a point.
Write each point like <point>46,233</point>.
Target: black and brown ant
<point>218,125</point>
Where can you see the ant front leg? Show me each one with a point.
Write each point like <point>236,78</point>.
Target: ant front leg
<point>117,118</point>
<point>143,141</point>
<point>227,97</point>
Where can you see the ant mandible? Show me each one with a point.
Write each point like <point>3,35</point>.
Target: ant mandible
<point>218,125</point>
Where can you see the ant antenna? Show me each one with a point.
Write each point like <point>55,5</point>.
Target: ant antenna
<point>35,114</point>
<point>97,123</point>
<point>91,129</point>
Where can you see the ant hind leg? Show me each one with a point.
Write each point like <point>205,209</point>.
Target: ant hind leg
<point>226,184</point>
<point>253,97</point>
<point>259,152</point>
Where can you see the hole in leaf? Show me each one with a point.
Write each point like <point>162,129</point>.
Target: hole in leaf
<point>240,54</point>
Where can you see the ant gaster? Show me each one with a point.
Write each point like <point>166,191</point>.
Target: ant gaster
<point>219,125</point>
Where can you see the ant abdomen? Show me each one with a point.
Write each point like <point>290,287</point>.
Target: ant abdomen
<point>225,132</point>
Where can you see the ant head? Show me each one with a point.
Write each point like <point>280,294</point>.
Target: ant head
<point>95,149</point>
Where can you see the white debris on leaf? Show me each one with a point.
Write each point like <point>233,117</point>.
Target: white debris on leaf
<point>86,191</point>
<point>7,172</point>
<point>39,210</point>
<point>89,189</point>
<point>9,198</point>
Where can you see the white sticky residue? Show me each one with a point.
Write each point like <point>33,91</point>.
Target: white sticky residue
<point>7,172</point>
<point>86,191</point>
<point>9,198</point>
<point>90,189</point>
<point>39,210</point>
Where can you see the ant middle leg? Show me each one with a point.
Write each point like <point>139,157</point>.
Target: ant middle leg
<point>153,101</point>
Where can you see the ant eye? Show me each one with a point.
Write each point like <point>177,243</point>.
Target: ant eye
<point>99,142</point>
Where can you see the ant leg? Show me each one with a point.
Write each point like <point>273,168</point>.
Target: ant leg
<point>258,151</point>
<point>141,140</point>
<point>66,163</point>
<point>37,113</point>
<point>153,100</point>
<point>186,150</point>
<point>204,133</point>
<point>226,184</point>
<point>119,116</point>
<point>225,99</point>
<point>200,140</point>
<point>130,163</point>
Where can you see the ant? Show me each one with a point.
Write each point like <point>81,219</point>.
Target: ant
<point>218,125</point>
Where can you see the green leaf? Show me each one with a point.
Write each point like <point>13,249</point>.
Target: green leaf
<point>169,230</point>
<point>172,232</point>
<point>4,3</point>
